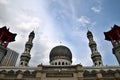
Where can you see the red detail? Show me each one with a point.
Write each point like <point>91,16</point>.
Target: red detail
<point>6,36</point>
<point>113,35</point>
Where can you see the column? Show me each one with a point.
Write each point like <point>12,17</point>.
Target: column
<point>80,72</point>
<point>99,76</point>
<point>39,72</point>
<point>2,74</point>
<point>117,75</point>
<point>20,75</point>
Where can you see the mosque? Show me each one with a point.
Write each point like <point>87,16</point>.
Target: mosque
<point>60,59</point>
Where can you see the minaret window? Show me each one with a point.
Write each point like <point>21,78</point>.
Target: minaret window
<point>95,49</point>
<point>25,64</point>
<point>21,63</point>
<point>62,63</point>
<point>95,64</point>
<point>91,39</point>
<point>66,63</point>
<point>99,63</point>
<point>55,63</point>
<point>59,63</point>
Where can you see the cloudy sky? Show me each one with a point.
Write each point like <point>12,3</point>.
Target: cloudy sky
<point>65,21</point>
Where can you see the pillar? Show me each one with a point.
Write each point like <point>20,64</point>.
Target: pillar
<point>20,75</point>
<point>99,76</point>
<point>117,75</point>
<point>2,74</point>
<point>39,72</point>
<point>80,72</point>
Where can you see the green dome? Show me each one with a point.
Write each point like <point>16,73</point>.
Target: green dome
<point>60,52</point>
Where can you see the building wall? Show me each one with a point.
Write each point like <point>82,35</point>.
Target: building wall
<point>60,73</point>
<point>10,58</point>
<point>2,53</point>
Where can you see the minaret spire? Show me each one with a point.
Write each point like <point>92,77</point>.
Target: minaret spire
<point>25,57</point>
<point>96,57</point>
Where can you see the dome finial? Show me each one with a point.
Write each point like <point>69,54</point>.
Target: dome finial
<point>60,42</point>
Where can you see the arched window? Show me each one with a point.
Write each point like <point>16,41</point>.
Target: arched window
<point>66,63</point>
<point>62,63</point>
<point>99,63</point>
<point>59,63</point>
<point>21,63</point>
<point>55,63</point>
<point>25,64</point>
<point>95,64</point>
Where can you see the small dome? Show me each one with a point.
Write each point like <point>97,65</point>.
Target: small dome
<point>89,33</point>
<point>60,52</point>
<point>32,34</point>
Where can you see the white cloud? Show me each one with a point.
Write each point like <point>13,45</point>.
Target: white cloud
<point>28,23</point>
<point>23,22</point>
<point>84,20</point>
<point>4,1</point>
<point>98,1</point>
<point>96,9</point>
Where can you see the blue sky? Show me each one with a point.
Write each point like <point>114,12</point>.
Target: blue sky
<point>65,21</point>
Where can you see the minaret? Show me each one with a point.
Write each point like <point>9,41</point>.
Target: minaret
<point>114,37</point>
<point>96,57</point>
<point>25,57</point>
